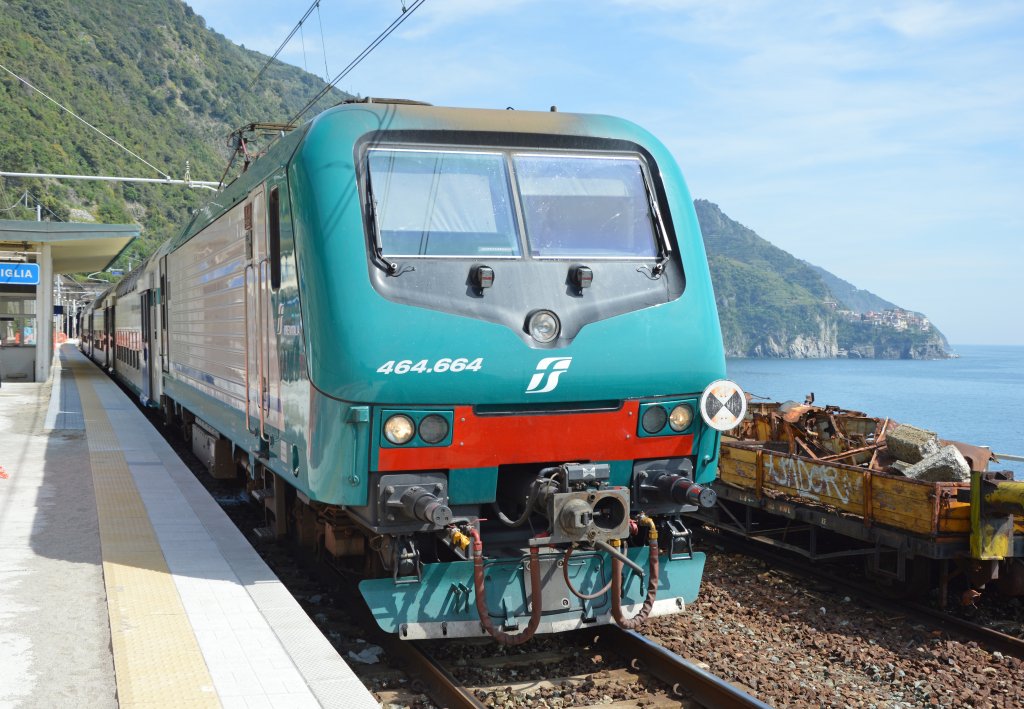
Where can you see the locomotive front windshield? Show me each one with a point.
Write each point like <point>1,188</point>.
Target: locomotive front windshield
<point>585,206</point>
<point>433,203</point>
<point>463,203</point>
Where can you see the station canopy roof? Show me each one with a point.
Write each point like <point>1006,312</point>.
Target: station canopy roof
<point>75,247</point>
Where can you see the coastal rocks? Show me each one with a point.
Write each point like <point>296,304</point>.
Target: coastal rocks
<point>800,347</point>
<point>893,351</point>
<point>826,345</point>
<point>930,350</point>
<point>945,465</point>
<point>910,444</point>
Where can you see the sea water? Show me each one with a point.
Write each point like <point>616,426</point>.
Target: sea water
<point>977,398</point>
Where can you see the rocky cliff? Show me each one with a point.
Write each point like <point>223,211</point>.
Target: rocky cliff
<point>772,304</point>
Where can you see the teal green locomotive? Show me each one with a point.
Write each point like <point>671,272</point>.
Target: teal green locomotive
<point>472,354</point>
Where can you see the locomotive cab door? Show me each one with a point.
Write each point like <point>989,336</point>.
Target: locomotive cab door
<point>257,307</point>
<point>261,226</point>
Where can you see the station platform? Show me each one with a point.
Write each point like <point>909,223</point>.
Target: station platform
<point>122,582</point>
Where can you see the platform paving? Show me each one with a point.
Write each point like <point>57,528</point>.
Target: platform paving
<point>122,583</point>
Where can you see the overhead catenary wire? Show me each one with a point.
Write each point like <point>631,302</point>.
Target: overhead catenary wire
<point>90,125</point>
<point>302,39</point>
<point>323,42</point>
<point>56,216</point>
<point>114,178</point>
<point>24,198</point>
<point>395,24</point>
<point>296,28</point>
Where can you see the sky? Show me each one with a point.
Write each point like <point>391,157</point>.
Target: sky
<point>881,140</point>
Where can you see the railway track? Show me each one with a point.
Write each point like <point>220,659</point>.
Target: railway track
<point>869,594</point>
<point>683,676</point>
<point>679,682</point>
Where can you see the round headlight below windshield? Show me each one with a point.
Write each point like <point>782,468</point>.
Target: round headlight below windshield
<point>399,429</point>
<point>543,326</point>
<point>654,419</point>
<point>433,428</point>
<point>680,418</point>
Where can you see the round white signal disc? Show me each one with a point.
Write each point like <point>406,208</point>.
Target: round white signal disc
<point>723,405</point>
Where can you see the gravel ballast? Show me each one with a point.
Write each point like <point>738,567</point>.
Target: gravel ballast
<point>797,643</point>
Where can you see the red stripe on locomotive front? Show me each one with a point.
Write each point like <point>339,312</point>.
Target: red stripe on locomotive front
<point>488,441</point>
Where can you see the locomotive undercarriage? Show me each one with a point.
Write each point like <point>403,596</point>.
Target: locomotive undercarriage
<point>583,546</point>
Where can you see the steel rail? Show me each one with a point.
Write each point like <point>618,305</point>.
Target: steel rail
<point>868,594</point>
<point>682,675</point>
<point>435,680</point>
<point>1004,643</point>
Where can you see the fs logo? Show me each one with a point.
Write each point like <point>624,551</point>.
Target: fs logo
<point>551,367</point>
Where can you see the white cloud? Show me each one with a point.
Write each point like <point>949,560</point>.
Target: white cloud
<point>931,20</point>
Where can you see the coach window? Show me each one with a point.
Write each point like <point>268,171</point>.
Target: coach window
<point>274,218</point>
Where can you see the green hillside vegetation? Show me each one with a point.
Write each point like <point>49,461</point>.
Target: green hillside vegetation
<point>725,237</point>
<point>854,298</point>
<point>755,303</point>
<point>150,74</point>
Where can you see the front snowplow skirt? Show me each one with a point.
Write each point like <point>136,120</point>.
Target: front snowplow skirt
<point>443,603</point>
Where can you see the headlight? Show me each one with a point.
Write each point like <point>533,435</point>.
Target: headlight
<point>399,429</point>
<point>543,326</point>
<point>654,419</point>
<point>680,418</point>
<point>433,428</point>
<point>723,405</point>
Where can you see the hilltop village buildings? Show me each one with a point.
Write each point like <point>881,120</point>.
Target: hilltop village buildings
<point>897,319</point>
<point>894,318</point>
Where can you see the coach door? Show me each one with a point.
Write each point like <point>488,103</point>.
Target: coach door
<point>108,338</point>
<point>162,317</point>
<point>144,364</point>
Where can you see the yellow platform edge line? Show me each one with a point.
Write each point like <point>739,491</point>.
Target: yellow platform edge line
<point>157,659</point>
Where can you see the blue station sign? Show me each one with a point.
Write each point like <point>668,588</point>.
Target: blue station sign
<point>19,274</point>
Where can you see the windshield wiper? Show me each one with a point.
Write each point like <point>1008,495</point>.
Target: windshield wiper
<point>389,267</point>
<point>666,246</point>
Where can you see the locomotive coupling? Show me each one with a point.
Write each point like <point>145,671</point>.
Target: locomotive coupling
<point>669,481</point>
<point>580,507</point>
<point>683,491</point>
<point>423,505</point>
<point>408,502</point>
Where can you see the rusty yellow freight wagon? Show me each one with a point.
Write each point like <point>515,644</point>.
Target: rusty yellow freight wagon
<point>823,482</point>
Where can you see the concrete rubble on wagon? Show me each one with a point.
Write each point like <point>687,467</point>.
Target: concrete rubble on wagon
<point>945,465</point>
<point>910,444</point>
